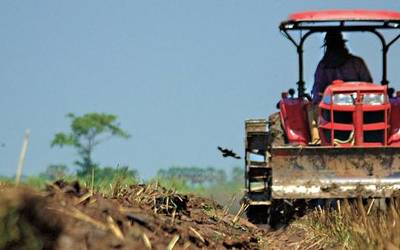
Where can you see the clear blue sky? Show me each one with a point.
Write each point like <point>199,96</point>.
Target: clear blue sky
<point>181,75</point>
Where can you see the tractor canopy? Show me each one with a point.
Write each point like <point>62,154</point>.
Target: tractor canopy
<point>309,22</point>
<point>344,15</point>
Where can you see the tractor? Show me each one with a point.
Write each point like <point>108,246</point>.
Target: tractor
<point>358,156</point>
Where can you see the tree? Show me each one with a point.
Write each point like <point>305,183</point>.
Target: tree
<point>87,132</point>
<point>55,172</point>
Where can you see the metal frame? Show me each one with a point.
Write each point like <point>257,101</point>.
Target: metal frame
<point>285,27</point>
<point>317,172</point>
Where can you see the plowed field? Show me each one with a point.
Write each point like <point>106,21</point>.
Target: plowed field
<point>67,216</point>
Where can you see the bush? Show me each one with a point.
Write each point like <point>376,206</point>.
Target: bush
<point>55,172</point>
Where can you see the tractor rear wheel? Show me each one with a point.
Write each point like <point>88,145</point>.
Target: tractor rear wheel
<point>258,214</point>
<point>276,215</point>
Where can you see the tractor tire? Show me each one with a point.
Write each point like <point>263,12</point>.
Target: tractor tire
<point>276,215</point>
<point>258,215</point>
<point>276,133</point>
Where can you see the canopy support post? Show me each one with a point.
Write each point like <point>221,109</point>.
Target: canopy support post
<point>299,48</point>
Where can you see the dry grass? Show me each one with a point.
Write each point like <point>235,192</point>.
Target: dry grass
<point>353,225</point>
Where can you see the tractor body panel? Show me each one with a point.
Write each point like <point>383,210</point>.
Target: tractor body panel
<point>394,139</point>
<point>294,120</point>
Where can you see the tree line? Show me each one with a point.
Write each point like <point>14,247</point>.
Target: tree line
<point>201,176</point>
<point>92,129</point>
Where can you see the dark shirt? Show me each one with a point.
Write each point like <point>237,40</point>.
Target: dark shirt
<point>352,69</point>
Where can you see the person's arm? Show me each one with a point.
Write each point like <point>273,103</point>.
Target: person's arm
<point>319,84</point>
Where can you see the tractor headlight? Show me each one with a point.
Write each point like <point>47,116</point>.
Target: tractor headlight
<point>373,99</point>
<point>344,99</point>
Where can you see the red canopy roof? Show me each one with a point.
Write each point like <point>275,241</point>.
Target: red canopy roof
<point>345,15</point>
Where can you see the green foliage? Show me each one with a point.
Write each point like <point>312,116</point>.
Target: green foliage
<point>110,180</point>
<point>55,172</point>
<point>87,132</point>
<point>5,179</point>
<point>208,182</point>
<point>237,174</point>
<point>36,181</point>
<point>193,175</point>
<point>106,180</point>
<point>108,174</point>
<point>178,184</point>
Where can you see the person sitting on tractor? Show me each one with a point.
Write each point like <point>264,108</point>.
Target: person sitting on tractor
<point>336,64</point>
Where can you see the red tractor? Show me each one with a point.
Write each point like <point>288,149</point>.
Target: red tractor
<point>358,124</point>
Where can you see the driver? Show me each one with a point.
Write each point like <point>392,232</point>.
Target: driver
<point>337,64</point>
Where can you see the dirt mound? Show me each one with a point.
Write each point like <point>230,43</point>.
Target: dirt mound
<point>67,216</point>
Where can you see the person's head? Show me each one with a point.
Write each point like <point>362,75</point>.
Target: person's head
<point>334,41</point>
